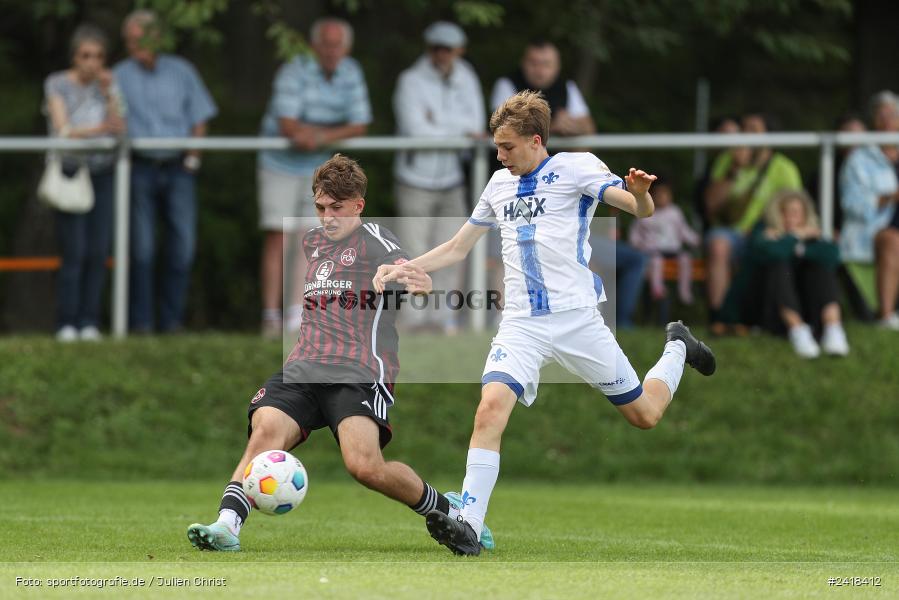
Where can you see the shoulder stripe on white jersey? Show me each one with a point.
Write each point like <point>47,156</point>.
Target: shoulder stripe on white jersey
<point>375,230</point>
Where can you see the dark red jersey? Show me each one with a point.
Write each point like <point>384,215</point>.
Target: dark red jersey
<point>344,321</point>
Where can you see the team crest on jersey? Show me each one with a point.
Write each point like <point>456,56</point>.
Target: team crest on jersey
<point>348,257</point>
<point>549,178</point>
<point>324,270</point>
<point>258,396</point>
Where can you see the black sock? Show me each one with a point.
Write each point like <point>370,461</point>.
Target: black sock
<point>233,498</point>
<point>430,500</point>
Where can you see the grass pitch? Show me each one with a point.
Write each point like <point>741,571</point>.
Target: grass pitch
<point>553,541</point>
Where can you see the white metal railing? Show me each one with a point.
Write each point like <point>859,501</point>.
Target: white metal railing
<point>825,141</point>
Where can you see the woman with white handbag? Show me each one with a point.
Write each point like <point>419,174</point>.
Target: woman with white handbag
<point>82,102</point>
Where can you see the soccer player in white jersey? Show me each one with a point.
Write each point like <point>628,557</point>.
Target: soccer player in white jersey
<point>542,205</point>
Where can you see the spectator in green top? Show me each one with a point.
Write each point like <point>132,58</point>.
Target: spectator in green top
<point>742,182</point>
<point>794,287</point>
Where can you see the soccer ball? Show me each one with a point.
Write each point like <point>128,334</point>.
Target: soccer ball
<point>275,482</point>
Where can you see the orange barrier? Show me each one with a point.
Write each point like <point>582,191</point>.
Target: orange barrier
<point>669,269</point>
<point>24,264</point>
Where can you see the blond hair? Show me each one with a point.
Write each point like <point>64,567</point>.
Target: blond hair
<point>341,178</point>
<point>774,218</point>
<point>526,113</point>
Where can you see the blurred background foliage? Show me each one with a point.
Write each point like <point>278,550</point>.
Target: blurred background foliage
<point>804,61</point>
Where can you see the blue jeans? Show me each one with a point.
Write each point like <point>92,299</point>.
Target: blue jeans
<point>168,191</point>
<point>84,243</point>
<point>630,265</point>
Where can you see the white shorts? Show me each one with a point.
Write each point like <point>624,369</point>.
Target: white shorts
<point>284,195</point>
<point>577,339</point>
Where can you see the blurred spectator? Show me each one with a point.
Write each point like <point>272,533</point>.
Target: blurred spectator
<point>848,123</point>
<point>869,191</point>
<point>540,71</point>
<point>664,235</point>
<point>610,252</point>
<point>439,95</point>
<point>165,97</point>
<point>726,124</point>
<point>741,183</point>
<point>83,102</point>
<point>798,272</point>
<point>316,100</point>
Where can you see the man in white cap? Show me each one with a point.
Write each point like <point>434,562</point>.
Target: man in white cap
<point>439,95</point>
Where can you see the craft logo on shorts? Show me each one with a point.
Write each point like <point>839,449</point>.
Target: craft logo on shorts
<point>348,257</point>
<point>324,270</point>
<point>400,261</point>
<point>258,396</point>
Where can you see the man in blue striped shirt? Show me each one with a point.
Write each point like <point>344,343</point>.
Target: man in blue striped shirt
<point>165,97</point>
<point>316,100</point>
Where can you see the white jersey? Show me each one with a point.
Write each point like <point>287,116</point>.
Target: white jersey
<point>544,220</point>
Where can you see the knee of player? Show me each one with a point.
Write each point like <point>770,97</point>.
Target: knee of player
<point>646,418</point>
<point>366,471</point>
<point>644,422</point>
<point>491,414</point>
<point>269,430</point>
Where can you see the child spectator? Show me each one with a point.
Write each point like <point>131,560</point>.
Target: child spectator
<point>665,235</point>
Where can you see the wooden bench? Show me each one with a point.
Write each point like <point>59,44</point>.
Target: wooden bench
<point>669,269</point>
<point>24,264</point>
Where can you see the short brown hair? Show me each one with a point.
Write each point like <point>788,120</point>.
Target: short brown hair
<point>526,113</point>
<point>341,178</point>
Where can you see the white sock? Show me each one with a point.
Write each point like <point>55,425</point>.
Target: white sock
<point>670,367</point>
<point>480,477</point>
<point>230,519</point>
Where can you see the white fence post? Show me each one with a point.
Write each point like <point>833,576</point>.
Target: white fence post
<point>825,185</point>
<point>122,237</point>
<point>478,256</point>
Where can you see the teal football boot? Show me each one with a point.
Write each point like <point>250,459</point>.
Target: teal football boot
<point>213,537</point>
<point>486,540</point>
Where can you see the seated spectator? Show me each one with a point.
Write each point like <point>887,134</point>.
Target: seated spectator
<point>439,95</point>
<point>664,235</point>
<point>742,182</point>
<point>540,71</point>
<point>849,122</point>
<point>797,273</point>
<point>869,191</point>
<point>316,100</point>
<point>165,97</point>
<point>84,102</point>
<point>725,124</point>
<point>610,252</point>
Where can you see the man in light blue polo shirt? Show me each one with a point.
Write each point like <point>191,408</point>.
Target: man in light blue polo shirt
<point>165,97</point>
<point>316,100</point>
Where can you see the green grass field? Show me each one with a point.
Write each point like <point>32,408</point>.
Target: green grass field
<point>554,541</point>
<point>109,451</point>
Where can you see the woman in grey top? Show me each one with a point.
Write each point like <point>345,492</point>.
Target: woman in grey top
<point>83,102</point>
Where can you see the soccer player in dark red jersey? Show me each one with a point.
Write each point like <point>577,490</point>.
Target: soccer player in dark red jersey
<point>341,371</point>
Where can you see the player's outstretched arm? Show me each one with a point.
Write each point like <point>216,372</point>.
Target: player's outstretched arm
<point>444,255</point>
<point>636,199</point>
